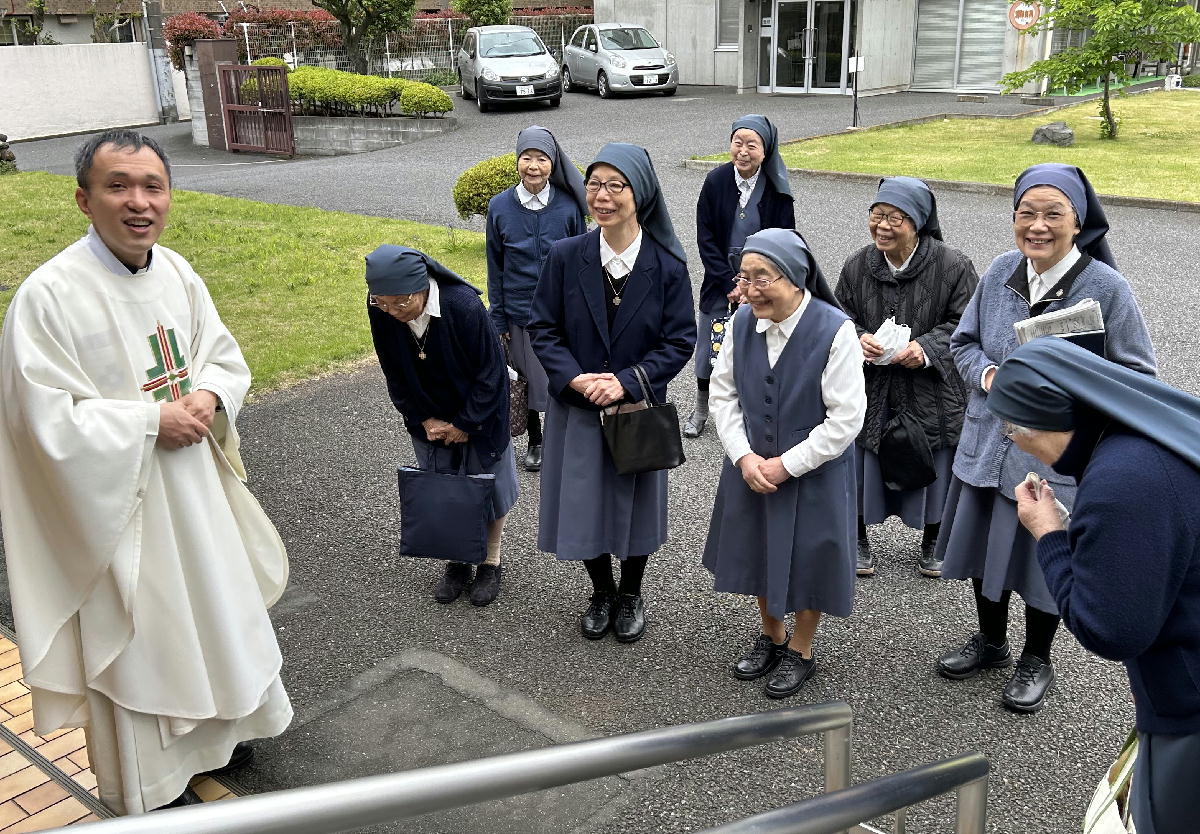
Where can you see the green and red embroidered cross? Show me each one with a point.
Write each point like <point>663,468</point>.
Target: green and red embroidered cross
<point>169,379</point>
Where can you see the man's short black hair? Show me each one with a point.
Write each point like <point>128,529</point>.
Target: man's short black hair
<point>120,139</point>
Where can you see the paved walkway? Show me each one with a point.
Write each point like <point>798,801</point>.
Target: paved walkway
<point>384,678</point>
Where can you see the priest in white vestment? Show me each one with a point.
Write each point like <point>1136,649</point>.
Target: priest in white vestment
<point>140,566</point>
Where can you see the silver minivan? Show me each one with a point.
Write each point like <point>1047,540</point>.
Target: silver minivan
<point>507,63</point>
<point>618,58</point>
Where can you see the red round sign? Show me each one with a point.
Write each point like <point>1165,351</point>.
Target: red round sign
<point>1022,15</point>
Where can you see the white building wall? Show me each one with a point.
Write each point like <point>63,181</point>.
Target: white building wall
<point>688,28</point>
<point>78,32</point>
<point>50,90</point>
<point>886,32</point>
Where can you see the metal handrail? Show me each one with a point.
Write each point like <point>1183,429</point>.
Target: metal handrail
<point>370,800</point>
<point>831,812</point>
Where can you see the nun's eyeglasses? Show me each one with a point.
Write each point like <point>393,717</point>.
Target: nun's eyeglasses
<point>893,218</point>
<point>613,187</point>
<point>375,301</point>
<point>1053,217</point>
<point>759,283</point>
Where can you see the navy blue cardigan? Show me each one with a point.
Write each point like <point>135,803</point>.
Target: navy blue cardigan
<point>714,220</point>
<point>474,391</point>
<point>655,325</point>
<point>1126,575</point>
<point>518,240</point>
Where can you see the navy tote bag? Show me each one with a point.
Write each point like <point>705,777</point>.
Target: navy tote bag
<point>443,514</point>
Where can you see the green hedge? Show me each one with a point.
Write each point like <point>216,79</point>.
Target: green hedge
<point>1192,80</point>
<point>421,99</point>
<point>337,92</point>
<point>480,183</point>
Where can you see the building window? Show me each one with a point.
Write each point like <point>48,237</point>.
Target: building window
<point>728,22</point>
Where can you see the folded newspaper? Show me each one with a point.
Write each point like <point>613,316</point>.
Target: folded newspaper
<point>1080,319</point>
<point>893,337</point>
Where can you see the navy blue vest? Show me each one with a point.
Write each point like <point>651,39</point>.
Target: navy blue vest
<point>782,405</point>
<point>748,220</point>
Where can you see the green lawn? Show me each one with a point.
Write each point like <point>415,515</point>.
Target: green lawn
<point>1157,154</point>
<point>287,281</point>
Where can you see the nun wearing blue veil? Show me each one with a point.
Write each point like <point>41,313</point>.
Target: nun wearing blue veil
<point>548,204</point>
<point>1061,258</point>
<point>909,274</point>
<point>745,195</point>
<point>614,298</point>
<point>1125,573</point>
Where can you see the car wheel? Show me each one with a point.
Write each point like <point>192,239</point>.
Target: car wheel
<point>568,84</point>
<point>556,101</point>
<point>481,99</point>
<point>670,92</point>
<point>602,85</point>
<point>462,88</point>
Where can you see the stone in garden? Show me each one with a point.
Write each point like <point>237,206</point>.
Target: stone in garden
<point>1055,133</point>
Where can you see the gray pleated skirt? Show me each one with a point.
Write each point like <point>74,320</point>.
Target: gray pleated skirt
<point>586,508</point>
<point>915,507</point>
<point>526,363</point>
<point>1163,793</point>
<point>982,538</point>
<point>504,496</point>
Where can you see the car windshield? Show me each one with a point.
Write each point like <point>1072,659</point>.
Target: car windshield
<point>510,45</point>
<point>633,38</point>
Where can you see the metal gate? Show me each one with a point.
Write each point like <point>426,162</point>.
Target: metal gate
<point>256,109</point>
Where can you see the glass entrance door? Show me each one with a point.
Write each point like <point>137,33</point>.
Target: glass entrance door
<point>805,48</point>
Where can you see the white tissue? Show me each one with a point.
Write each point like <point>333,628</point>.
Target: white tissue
<point>894,338</point>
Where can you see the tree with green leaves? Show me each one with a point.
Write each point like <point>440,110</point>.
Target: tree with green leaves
<point>1122,32</point>
<point>485,12</point>
<point>362,19</point>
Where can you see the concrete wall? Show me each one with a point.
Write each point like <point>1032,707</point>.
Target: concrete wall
<point>333,136</point>
<point>686,27</point>
<point>887,30</point>
<point>78,32</point>
<point>51,90</point>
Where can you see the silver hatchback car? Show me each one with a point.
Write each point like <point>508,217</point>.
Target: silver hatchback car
<point>507,64</point>
<point>618,58</point>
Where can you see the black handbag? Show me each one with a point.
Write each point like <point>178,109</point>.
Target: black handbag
<point>644,440</point>
<point>905,459</point>
<point>443,515</point>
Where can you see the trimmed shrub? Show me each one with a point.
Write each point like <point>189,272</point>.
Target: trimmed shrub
<point>480,183</point>
<point>183,29</point>
<point>1192,80</point>
<point>269,62</point>
<point>421,99</point>
<point>485,12</point>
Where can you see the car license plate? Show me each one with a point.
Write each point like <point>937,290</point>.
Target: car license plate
<point>524,89</point>
<point>649,79</point>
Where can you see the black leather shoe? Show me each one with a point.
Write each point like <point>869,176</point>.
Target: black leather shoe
<point>533,459</point>
<point>487,584</point>
<point>242,755</point>
<point>597,620</point>
<point>762,658</point>
<point>694,426</point>
<point>928,564</point>
<point>188,797</point>
<point>453,582</point>
<point>630,622</point>
<point>977,653</point>
<point>864,564</point>
<point>1026,689</point>
<point>789,676</point>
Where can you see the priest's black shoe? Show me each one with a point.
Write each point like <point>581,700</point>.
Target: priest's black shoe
<point>597,620</point>
<point>486,586</point>
<point>242,755</point>
<point>790,675</point>
<point>533,459</point>
<point>453,582</point>
<point>694,426</point>
<point>1026,690</point>
<point>929,564</point>
<point>630,622</point>
<point>977,653</point>
<point>188,797</point>
<point>864,563</point>
<point>762,658</point>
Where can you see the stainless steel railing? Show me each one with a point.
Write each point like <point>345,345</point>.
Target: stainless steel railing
<point>341,806</point>
<point>839,810</point>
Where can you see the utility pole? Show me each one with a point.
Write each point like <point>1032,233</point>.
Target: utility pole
<point>160,65</point>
